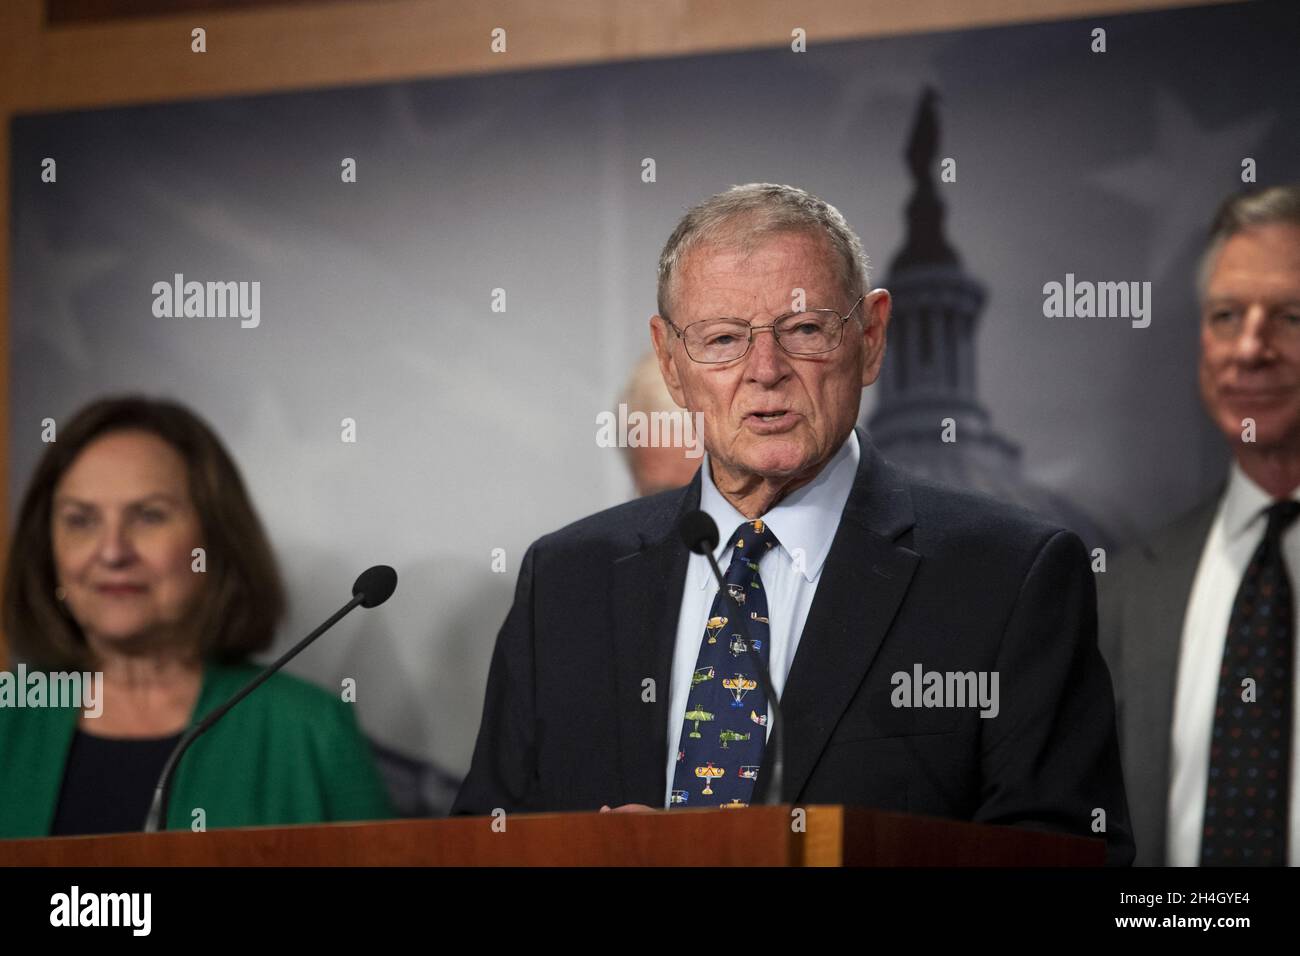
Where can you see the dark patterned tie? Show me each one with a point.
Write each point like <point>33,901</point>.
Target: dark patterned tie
<point>1247,796</point>
<point>725,729</point>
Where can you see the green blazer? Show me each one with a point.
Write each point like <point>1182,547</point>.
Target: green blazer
<point>288,753</point>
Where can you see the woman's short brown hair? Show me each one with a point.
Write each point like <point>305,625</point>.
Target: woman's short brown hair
<point>243,600</point>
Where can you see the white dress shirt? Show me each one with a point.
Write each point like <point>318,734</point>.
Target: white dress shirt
<point>1237,530</point>
<point>805,523</point>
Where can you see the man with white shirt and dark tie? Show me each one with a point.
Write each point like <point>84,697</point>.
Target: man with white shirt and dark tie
<point>1197,623</point>
<point>624,678</point>
<point>808,516</point>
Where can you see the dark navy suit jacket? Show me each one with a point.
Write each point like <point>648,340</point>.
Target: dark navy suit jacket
<point>917,574</point>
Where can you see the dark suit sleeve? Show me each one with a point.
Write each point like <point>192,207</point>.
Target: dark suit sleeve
<point>1110,636</point>
<point>1050,758</point>
<point>503,772</point>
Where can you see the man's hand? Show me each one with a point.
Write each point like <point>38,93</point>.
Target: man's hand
<point>628,808</point>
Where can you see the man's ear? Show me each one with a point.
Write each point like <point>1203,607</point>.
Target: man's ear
<point>875,320</point>
<point>662,338</point>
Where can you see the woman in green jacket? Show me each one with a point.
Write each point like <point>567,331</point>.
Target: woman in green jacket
<point>138,562</point>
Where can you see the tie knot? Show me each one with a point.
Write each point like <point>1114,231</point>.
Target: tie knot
<point>753,539</point>
<point>1281,515</point>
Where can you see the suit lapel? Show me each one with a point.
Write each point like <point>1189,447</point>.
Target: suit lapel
<point>647,598</point>
<point>1152,658</point>
<point>862,584</point>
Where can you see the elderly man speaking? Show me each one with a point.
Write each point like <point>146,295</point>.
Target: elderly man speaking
<point>932,651</point>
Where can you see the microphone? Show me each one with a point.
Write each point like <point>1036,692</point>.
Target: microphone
<point>700,534</point>
<point>375,586</point>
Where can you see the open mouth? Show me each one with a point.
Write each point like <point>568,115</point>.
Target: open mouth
<point>771,419</point>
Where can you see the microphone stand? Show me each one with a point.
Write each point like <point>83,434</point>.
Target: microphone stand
<point>158,807</point>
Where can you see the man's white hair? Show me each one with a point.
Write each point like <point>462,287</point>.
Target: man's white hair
<point>1257,207</point>
<point>743,216</point>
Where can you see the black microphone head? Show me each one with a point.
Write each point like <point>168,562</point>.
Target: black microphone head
<point>698,531</point>
<point>375,585</point>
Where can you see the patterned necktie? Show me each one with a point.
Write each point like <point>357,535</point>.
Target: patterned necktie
<point>1247,796</point>
<point>725,729</point>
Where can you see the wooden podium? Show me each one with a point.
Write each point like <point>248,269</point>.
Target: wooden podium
<point>757,836</point>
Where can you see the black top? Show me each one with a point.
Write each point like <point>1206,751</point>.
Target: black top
<point>109,783</point>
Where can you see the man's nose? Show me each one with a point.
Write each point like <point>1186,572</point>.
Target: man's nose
<point>1255,339</point>
<point>767,361</point>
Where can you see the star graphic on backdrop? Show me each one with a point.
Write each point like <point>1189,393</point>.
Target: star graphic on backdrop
<point>409,122</point>
<point>45,298</point>
<point>1183,176</point>
<point>257,233</point>
<point>863,97</point>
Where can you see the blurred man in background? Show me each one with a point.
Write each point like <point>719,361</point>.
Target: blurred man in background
<point>1198,622</point>
<point>662,467</point>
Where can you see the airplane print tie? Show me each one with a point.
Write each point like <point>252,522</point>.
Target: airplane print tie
<point>1246,797</point>
<point>725,728</point>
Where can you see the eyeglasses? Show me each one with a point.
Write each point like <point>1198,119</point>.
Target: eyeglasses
<point>1226,323</point>
<point>715,341</point>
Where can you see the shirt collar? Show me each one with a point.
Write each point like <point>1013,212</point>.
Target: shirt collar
<point>804,521</point>
<point>1244,503</point>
